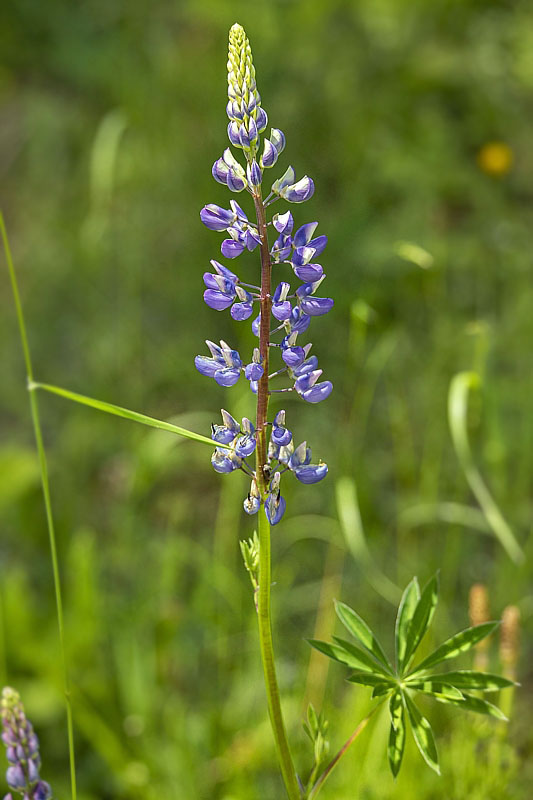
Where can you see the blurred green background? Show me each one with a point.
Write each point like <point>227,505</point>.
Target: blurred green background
<point>414,119</point>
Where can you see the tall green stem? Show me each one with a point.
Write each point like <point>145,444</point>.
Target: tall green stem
<point>47,501</point>
<point>263,601</point>
<point>267,657</point>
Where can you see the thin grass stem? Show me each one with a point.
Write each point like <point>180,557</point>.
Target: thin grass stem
<point>347,744</point>
<point>47,503</point>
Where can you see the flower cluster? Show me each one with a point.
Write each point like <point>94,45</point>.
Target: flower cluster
<point>22,750</point>
<point>291,310</point>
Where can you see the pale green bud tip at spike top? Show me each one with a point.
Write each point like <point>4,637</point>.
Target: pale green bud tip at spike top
<point>247,118</point>
<point>10,699</point>
<point>241,72</point>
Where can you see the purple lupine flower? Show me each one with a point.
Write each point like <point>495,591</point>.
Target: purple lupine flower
<point>22,745</point>
<point>281,307</point>
<point>298,192</point>
<point>283,223</point>
<point>290,313</point>
<point>224,365</point>
<point>280,435</point>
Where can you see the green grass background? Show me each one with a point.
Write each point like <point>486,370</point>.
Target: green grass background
<point>111,114</point>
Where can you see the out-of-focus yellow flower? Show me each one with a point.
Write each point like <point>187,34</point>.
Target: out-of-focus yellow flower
<point>495,158</point>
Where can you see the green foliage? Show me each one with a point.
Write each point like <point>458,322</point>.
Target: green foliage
<point>415,614</point>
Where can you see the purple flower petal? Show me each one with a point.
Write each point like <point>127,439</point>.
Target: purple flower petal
<point>319,244</point>
<point>318,392</point>
<point>218,300</point>
<point>206,366</point>
<point>227,376</point>
<point>223,462</point>
<point>283,223</point>
<point>309,272</point>
<point>302,255</point>
<point>293,356</point>
<point>275,506</point>
<point>241,311</point>
<point>311,473</point>
<point>282,311</point>
<point>309,365</point>
<point>261,119</point>
<point>216,218</point>
<point>245,445</point>
<point>316,306</point>
<point>304,234</point>
<point>280,436</point>
<point>253,371</point>
<point>230,248</point>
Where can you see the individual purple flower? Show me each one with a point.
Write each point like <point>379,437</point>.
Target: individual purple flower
<point>275,504</point>
<point>300,464</point>
<point>225,433</point>
<point>298,192</point>
<point>283,223</point>
<point>224,365</point>
<point>246,442</point>
<point>225,461</point>
<point>216,218</point>
<point>254,370</point>
<point>280,435</point>
<point>281,307</point>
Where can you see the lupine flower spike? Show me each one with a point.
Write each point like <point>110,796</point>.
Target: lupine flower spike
<point>22,751</point>
<point>278,311</point>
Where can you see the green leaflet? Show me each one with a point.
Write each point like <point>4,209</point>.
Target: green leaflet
<point>437,688</point>
<point>118,411</point>
<point>422,733</point>
<point>360,630</point>
<point>421,620</point>
<point>406,609</point>
<point>364,657</point>
<point>471,703</point>
<point>470,679</point>
<point>369,679</point>
<point>459,643</point>
<point>397,733</point>
<point>343,656</point>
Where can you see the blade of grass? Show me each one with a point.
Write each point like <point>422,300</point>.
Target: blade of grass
<point>352,528</point>
<point>47,503</point>
<point>460,386</point>
<point>125,413</point>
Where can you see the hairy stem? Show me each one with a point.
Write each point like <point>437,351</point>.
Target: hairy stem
<point>335,760</point>
<point>263,599</point>
<point>269,669</point>
<point>47,502</point>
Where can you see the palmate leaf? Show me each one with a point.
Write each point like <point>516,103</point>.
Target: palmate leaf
<point>470,679</point>
<point>423,735</point>
<point>476,704</point>
<point>421,619</point>
<point>406,609</point>
<point>361,631</point>
<point>396,744</point>
<point>455,645</point>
